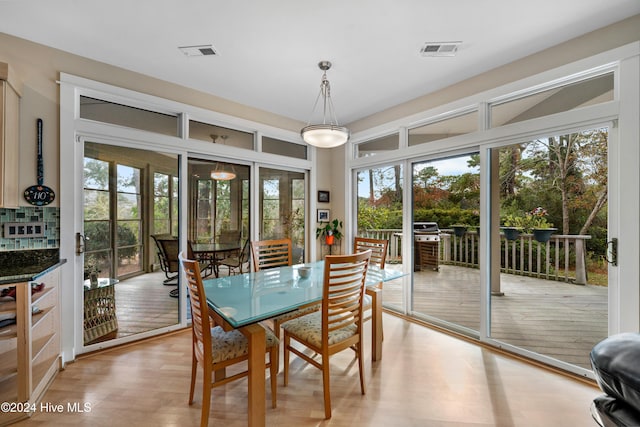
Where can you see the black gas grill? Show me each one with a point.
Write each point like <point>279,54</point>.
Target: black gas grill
<point>426,245</point>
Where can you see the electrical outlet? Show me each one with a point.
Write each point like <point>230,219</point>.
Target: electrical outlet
<point>23,229</point>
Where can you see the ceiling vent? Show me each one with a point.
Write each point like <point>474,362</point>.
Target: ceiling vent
<point>440,48</point>
<point>201,50</point>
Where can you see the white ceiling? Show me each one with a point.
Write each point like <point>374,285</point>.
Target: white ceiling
<point>268,50</point>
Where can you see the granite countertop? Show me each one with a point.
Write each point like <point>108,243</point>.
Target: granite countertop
<point>28,265</point>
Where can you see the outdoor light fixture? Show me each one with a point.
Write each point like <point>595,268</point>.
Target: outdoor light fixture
<point>328,134</point>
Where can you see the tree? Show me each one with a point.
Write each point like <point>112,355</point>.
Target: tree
<point>575,166</point>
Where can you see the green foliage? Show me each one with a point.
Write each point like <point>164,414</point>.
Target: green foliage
<point>447,217</point>
<point>527,221</point>
<point>333,228</point>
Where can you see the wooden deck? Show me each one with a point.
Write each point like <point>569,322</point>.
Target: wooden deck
<point>143,303</point>
<point>556,319</point>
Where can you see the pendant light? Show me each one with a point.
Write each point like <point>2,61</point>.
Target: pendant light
<point>329,133</point>
<point>220,174</point>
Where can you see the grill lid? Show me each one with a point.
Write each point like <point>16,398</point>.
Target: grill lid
<point>426,227</point>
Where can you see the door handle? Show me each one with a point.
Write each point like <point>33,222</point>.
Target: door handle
<point>81,241</point>
<point>612,252</point>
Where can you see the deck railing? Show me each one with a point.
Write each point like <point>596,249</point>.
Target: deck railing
<point>562,258</point>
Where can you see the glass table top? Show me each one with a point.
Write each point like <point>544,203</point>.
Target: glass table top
<point>251,297</point>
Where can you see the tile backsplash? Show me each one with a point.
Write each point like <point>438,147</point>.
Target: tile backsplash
<point>51,218</point>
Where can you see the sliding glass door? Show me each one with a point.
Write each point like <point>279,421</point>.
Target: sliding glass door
<point>129,195</point>
<point>551,295</point>
<point>446,242</point>
<point>282,210</point>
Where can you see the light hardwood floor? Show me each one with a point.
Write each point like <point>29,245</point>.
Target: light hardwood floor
<point>426,378</point>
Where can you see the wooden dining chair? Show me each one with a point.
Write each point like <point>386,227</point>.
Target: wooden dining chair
<point>378,249</point>
<point>338,325</point>
<point>214,348</point>
<point>271,253</point>
<point>277,253</point>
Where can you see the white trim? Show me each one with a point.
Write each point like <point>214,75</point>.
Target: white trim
<point>624,157</point>
<point>103,91</point>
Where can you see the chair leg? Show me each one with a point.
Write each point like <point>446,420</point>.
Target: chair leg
<point>360,354</point>
<point>273,372</point>
<point>194,369</point>
<point>326,385</point>
<point>287,341</point>
<point>206,398</point>
<point>276,332</point>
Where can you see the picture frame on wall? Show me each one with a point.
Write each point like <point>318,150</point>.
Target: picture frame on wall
<point>324,215</point>
<point>323,196</point>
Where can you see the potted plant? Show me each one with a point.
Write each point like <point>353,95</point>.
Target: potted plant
<point>539,226</point>
<point>459,229</point>
<point>331,231</point>
<point>513,226</point>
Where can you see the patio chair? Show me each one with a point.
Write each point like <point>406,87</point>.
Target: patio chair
<point>216,349</point>
<point>236,262</point>
<point>169,268</point>
<point>338,326</point>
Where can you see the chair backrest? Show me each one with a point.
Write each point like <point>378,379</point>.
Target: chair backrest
<point>343,292</point>
<point>200,322</point>
<point>271,253</point>
<point>378,249</point>
<point>229,236</point>
<point>168,248</point>
<point>244,254</point>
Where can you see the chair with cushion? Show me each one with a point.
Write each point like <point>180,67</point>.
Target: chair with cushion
<point>216,349</point>
<point>338,325</point>
<point>617,371</point>
<point>277,253</point>
<point>270,253</point>
<point>378,249</point>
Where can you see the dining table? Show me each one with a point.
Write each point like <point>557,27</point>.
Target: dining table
<point>210,251</point>
<point>242,301</point>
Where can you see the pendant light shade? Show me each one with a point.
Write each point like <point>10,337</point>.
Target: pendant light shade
<point>221,174</point>
<point>329,133</point>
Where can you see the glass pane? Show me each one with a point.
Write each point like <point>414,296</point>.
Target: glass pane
<point>458,125</point>
<point>222,205</point>
<point>284,148</point>
<point>551,297</point>
<point>129,206</point>
<point>161,204</point>
<point>128,179</point>
<point>119,247</point>
<point>282,213</point>
<point>380,217</point>
<point>124,115</point>
<point>219,135</point>
<point>96,174</point>
<point>378,145</point>
<point>446,278</point>
<point>580,94</point>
